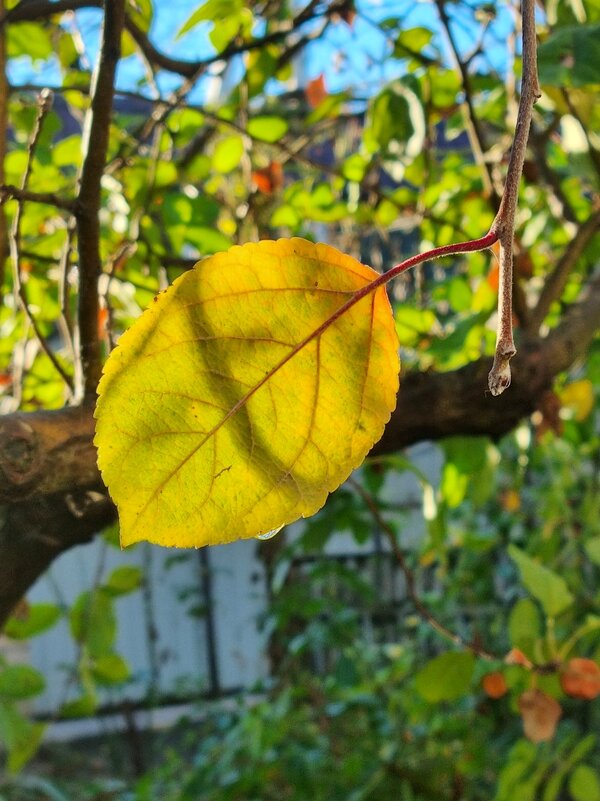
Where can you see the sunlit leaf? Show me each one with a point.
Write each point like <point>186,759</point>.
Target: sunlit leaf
<point>592,548</point>
<point>245,394</point>
<point>578,398</point>
<point>28,39</point>
<point>212,10</point>
<point>269,128</point>
<point>227,153</point>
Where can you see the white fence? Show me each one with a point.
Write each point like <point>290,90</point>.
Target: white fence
<point>174,653</point>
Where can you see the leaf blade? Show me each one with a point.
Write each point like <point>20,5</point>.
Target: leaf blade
<point>282,400</point>
<point>549,588</point>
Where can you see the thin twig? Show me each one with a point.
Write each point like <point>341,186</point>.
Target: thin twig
<point>285,149</point>
<point>556,281</point>
<point>125,250</point>
<point>8,191</point>
<point>409,578</point>
<point>472,124</point>
<point>558,203</point>
<point>44,106</point>
<point>504,223</point>
<point>95,147</point>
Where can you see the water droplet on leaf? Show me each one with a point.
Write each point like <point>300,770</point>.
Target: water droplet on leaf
<point>268,535</point>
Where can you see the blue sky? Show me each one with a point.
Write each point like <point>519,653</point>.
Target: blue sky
<point>349,57</point>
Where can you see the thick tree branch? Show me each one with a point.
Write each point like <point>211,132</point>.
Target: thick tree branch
<point>34,533</point>
<point>95,147</point>
<point>48,461</point>
<point>47,452</point>
<point>29,10</point>
<point>436,405</point>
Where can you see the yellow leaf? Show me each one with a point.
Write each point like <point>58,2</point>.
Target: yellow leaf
<point>579,398</point>
<point>236,402</point>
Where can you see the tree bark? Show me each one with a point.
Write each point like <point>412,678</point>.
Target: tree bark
<point>52,496</point>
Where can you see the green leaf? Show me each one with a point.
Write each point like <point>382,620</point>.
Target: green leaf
<point>20,737</point>
<point>262,65</point>
<point>110,669</point>
<point>550,589</point>
<point>524,626</point>
<point>411,41</point>
<point>29,39</point>
<point>413,325</point>
<point>556,781</point>
<point>466,460</point>
<point>227,154</point>
<point>569,57</point>
<point>268,128</point>
<point>39,618</point>
<point>141,12</point>
<point>515,771</point>
<point>395,122</point>
<point>93,622</point>
<point>82,707</point>
<point>230,28</point>
<point>355,167</point>
<point>592,548</point>
<point>123,580</point>
<point>20,681</point>
<point>207,240</point>
<point>446,677</point>
<point>211,10</point>
<point>584,784</point>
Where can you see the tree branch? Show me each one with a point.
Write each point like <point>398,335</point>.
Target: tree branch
<point>556,281</point>
<point>432,406</point>
<point>504,224</point>
<point>409,578</point>
<point>472,124</point>
<point>8,191</point>
<point>29,10</point>
<point>95,147</point>
<point>44,106</point>
<point>48,461</point>
<point>34,533</point>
